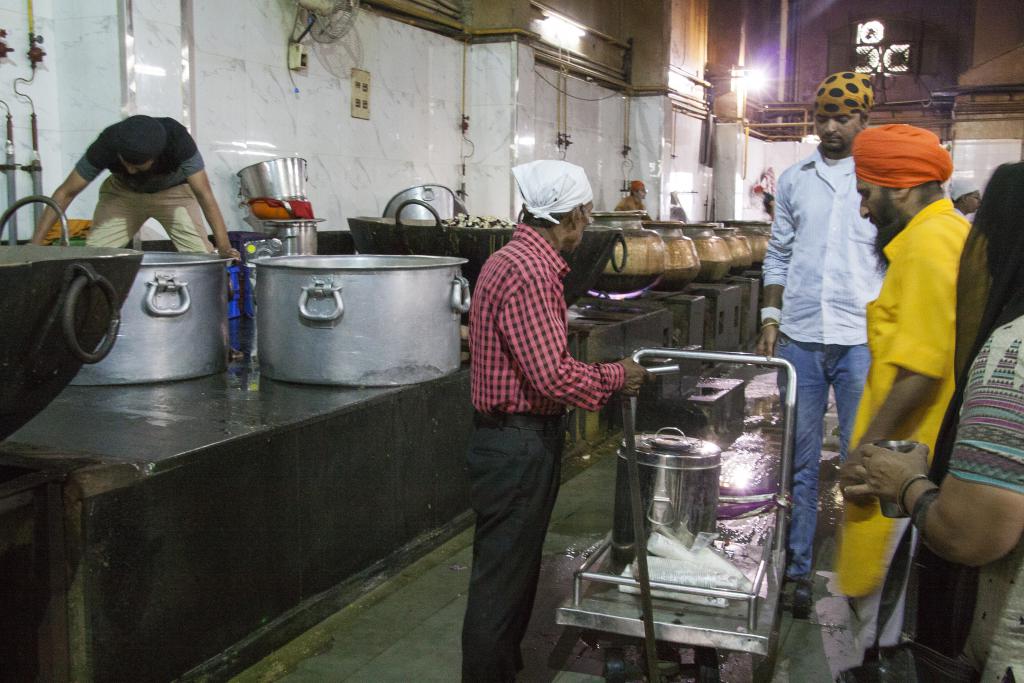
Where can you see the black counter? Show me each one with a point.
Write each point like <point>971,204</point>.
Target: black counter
<point>203,511</point>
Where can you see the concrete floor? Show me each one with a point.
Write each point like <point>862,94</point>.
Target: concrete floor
<point>408,629</point>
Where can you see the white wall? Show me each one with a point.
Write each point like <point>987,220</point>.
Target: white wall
<point>740,163</point>
<point>248,106</point>
<point>974,161</point>
<point>76,88</point>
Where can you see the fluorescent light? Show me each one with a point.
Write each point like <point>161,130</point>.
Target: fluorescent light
<point>560,30</point>
<point>149,70</point>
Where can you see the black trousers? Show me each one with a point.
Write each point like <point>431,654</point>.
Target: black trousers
<point>514,478</point>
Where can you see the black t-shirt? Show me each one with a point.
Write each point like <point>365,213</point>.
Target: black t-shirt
<point>179,159</point>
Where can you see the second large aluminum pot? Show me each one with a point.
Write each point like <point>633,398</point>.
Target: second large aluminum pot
<point>679,479</point>
<point>359,320</point>
<point>174,323</point>
<point>283,178</point>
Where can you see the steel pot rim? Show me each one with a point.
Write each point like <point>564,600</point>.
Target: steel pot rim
<point>352,262</point>
<point>178,258</point>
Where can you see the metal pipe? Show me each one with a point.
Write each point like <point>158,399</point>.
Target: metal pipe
<point>36,171</point>
<point>639,537</point>
<point>10,175</point>
<point>39,199</point>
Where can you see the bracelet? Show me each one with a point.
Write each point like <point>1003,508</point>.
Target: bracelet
<point>924,502</point>
<point>904,488</point>
<point>769,323</point>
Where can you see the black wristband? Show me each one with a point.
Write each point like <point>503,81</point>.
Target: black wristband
<point>921,505</point>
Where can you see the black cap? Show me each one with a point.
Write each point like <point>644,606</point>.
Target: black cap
<point>139,139</point>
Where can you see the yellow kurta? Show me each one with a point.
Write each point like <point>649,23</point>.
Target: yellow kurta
<point>911,325</point>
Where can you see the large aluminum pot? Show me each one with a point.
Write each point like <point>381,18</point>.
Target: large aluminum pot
<point>283,178</point>
<point>174,323</point>
<point>682,263</point>
<point>359,320</point>
<point>715,256</point>
<point>679,480</point>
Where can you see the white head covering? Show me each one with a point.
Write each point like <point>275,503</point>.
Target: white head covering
<point>550,187</point>
<point>962,185</point>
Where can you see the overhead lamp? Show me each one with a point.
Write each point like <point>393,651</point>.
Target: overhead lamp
<point>560,30</point>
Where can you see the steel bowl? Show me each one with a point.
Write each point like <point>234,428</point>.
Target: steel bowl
<point>283,179</point>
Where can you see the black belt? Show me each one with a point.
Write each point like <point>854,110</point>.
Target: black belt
<point>538,423</point>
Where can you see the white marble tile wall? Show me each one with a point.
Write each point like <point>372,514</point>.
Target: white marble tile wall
<point>739,165</point>
<point>686,176</point>
<point>43,91</point>
<point>974,161</point>
<point>251,107</point>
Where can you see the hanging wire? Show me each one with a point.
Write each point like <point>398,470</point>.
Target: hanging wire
<point>24,96</point>
<point>575,97</point>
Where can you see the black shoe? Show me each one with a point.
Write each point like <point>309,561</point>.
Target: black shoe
<point>802,598</point>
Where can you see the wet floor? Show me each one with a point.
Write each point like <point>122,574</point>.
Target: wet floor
<point>408,629</point>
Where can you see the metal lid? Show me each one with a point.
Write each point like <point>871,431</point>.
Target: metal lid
<point>670,448</point>
<point>674,440</point>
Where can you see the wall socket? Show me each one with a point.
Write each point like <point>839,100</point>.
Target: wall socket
<point>298,57</point>
<point>360,94</point>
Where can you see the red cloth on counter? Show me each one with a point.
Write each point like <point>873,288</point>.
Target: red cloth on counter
<point>518,336</point>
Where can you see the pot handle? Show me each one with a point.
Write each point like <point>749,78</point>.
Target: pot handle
<point>167,283</point>
<point>460,295</point>
<point>321,289</point>
<point>620,238</point>
<point>417,202</point>
<point>89,277</point>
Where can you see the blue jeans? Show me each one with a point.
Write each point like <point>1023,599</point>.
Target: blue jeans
<point>818,367</point>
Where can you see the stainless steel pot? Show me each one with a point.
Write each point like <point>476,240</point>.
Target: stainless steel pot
<point>678,487</point>
<point>359,320</point>
<point>174,323</point>
<point>443,200</point>
<point>297,237</point>
<point>283,178</point>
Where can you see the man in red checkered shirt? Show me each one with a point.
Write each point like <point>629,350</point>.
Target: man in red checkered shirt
<point>522,380</point>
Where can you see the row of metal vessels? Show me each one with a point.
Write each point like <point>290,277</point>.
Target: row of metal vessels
<point>669,255</point>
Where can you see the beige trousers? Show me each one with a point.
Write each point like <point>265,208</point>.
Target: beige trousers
<point>120,213</point>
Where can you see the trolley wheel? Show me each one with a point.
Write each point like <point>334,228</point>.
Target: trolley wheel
<point>615,669</point>
<point>706,661</point>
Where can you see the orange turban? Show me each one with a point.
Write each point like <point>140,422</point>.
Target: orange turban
<point>898,155</point>
<point>636,185</point>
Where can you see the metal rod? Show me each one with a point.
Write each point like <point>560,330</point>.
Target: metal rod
<point>639,537</point>
<point>615,580</point>
<point>10,173</point>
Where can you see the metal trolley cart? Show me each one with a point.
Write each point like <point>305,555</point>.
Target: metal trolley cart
<point>750,621</point>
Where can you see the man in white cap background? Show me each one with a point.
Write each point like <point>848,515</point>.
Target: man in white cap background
<point>522,380</point>
<point>966,196</point>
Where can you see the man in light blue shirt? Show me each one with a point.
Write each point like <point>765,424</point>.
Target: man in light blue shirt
<point>820,272</point>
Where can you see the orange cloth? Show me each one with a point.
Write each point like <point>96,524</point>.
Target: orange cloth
<point>843,94</point>
<point>77,228</point>
<point>899,156</point>
<point>636,185</point>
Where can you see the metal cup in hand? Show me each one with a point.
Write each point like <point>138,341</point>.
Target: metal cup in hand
<point>892,508</point>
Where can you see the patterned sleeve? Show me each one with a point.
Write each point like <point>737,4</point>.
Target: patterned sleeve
<point>990,434</point>
<point>534,327</point>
